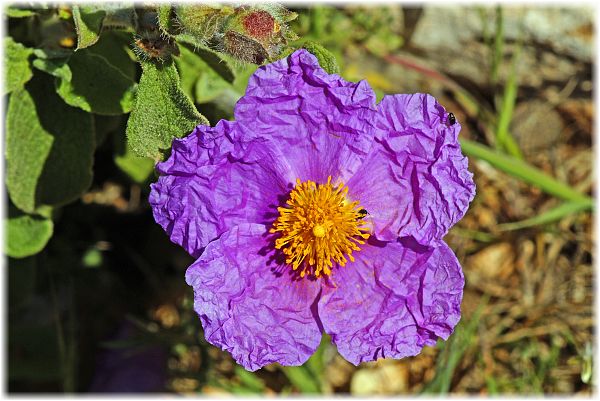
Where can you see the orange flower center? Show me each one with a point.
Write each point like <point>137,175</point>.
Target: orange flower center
<point>319,226</point>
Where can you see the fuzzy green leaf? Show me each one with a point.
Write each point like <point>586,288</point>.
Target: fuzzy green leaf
<point>114,47</point>
<point>161,111</point>
<point>213,59</point>
<point>26,234</point>
<point>16,62</point>
<point>216,62</point>
<point>327,60</point>
<point>188,66</point>
<point>136,168</point>
<point>57,67</point>
<point>96,85</point>
<point>27,147</point>
<point>198,80</point>
<point>53,53</point>
<point>49,147</point>
<point>209,86</point>
<point>16,12</point>
<point>88,24</point>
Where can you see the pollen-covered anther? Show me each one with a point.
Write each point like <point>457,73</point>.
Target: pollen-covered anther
<point>319,226</point>
<point>319,231</point>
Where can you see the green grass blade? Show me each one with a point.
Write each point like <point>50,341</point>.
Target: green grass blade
<point>476,235</point>
<point>503,138</point>
<point>491,385</point>
<point>550,216</point>
<point>452,352</point>
<point>498,44</point>
<point>250,381</point>
<point>318,21</point>
<point>302,378</point>
<point>511,146</point>
<point>523,171</point>
<point>307,378</point>
<point>316,363</point>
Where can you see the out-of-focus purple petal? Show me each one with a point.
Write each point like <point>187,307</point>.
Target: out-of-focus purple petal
<point>214,180</point>
<point>321,124</point>
<point>250,305</point>
<point>396,298</point>
<point>415,182</point>
<point>137,369</point>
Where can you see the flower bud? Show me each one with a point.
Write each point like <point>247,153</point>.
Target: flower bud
<point>259,25</point>
<point>256,33</point>
<point>202,21</point>
<point>244,48</point>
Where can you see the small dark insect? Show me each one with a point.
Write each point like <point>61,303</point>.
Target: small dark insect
<point>363,213</point>
<point>150,47</point>
<point>451,119</point>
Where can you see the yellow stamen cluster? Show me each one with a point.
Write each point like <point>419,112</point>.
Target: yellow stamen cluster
<point>319,226</point>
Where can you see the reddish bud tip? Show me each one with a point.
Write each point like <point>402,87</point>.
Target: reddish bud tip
<point>260,25</point>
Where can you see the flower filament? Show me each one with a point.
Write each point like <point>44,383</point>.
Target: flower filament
<point>319,226</point>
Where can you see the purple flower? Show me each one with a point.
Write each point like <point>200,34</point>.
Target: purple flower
<point>135,369</point>
<point>318,210</point>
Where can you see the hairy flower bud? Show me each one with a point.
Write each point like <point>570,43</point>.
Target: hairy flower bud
<point>202,21</point>
<point>260,25</point>
<point>244,48</point>
<point>257,33</point>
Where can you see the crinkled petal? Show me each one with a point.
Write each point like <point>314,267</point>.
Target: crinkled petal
<point>248,303</point>
<point>415,181</point>
<point>383,192</point>
<point>321,124</point>
<point>214,180</point>
<point>394,299</point>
